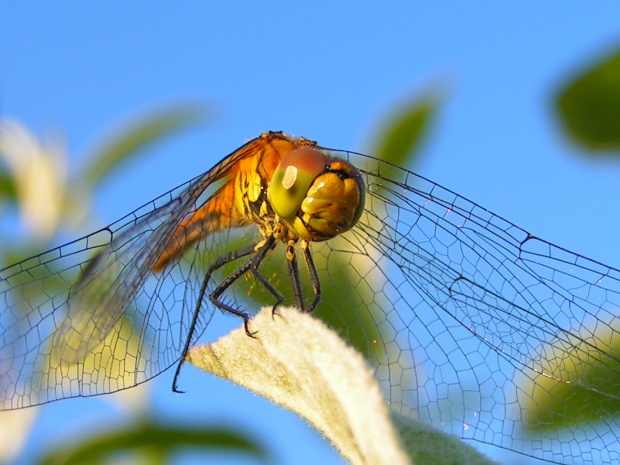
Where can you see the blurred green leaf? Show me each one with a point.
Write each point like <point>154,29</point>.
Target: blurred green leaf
<point>589,106</point>
<point>402,136</point>
<point>429,446</point>
<point>554,405</point>
<point>153,128</point>
<point>398,143</point>
<point>347,302</point>
<point>156,440</point>
<point>7,186</point>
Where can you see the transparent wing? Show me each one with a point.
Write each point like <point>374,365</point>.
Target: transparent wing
<point>473,325</point>
<point>486,331</point>
<point>92,317</point>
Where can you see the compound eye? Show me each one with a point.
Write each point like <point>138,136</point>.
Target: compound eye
<point>292,179</point>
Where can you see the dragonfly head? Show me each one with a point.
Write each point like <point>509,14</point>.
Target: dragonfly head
<point>317,195</point>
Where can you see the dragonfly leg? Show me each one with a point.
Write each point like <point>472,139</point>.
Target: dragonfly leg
<point>221,261</point>
<point>293,271</point>
<point>251,266</point>
<point>293,268</point>
<point>314,277</point>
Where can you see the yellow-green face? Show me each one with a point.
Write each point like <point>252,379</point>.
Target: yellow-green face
<point>318,196</point>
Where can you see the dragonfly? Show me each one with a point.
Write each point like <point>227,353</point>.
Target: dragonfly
<point>472,324</point>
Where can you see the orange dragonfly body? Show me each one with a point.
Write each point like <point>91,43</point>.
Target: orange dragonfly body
<point>246,199</point>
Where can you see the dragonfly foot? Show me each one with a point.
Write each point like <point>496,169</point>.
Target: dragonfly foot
<point>246,325</point>
<point>274,310</point>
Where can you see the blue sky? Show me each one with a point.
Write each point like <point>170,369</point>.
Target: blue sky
<point>330,72</point>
